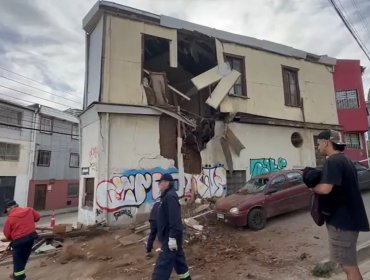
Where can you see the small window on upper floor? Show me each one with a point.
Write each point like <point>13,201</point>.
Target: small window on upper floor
<point>43,158</point>
<point>237,63</point>
<point>46,125</point>
<point>75,131</point>
<point>347,99</point>
<point>74,160</point>
<point>291,87</point>
<point>10,118</point>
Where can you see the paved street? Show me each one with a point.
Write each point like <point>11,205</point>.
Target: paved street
<point>68,218</point>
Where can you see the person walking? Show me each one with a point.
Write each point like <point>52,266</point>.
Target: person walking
<point>20,230</point>
<point>153,230</point>
<point>341,203</point>
<point>170,233</point>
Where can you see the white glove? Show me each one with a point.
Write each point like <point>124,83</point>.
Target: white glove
<point>172,244</point>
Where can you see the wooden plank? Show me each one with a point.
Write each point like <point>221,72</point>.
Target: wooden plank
<point>211,76</point>
<point>234,141</point>
<point>178,92</point>
<point>222,89</point>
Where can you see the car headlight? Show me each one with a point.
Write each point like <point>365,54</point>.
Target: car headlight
<point>234,210</point>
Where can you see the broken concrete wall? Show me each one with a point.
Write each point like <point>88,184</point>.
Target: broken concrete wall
<point>123,58</point>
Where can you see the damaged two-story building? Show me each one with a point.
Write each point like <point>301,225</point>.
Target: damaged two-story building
<point>213,108</point>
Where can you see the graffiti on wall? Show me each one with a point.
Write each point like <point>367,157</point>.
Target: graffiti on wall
<point>93,158</point>
<point>266,165</point>
<point>136,187</point>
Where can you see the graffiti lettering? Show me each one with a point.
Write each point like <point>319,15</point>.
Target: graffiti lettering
<point>266,165</point>
<point>126,212</point>
<point>136,187</point>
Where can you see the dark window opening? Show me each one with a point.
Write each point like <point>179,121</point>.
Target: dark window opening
<point>297,140</point>
<point>89,184</point>
<point>291,87</point>
<point>43,158</point>
<point>73,190</point>
<point>353,140</point>
<point>347,99</point>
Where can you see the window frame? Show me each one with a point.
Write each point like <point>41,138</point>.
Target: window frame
<point>346,91</point>
<point>291,182</point>
<point>270,187</point>
<point>287,93</point>
<point>38,158</point>
<point>43,131</point>
<point>8,122</point>
<point>350,145</point>
<point>70,157</point>
<point>6,156</point>
<point>242,75</point>
<point>75,136</point>
<point>68,190</point>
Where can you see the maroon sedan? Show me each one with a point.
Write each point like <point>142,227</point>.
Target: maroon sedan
<point>263,197</point>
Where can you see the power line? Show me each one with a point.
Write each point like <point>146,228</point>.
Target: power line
<point>36,96</point>
<point>35,129</point>
<point>40,89</point>
<point>30,79</point>
<point>366,23</point>
<point>347,24</point>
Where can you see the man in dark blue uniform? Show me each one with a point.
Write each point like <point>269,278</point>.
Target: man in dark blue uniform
<point>170,230</point>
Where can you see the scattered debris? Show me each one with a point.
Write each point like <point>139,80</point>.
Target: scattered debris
<point>201,208</point>
<point>45,248</point>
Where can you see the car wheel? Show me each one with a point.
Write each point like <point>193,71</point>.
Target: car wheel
<point>257,219</point>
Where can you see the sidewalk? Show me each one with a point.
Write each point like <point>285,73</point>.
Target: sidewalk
<point>365,270</point>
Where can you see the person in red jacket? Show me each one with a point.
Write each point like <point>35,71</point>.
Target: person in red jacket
<point>20,230</point>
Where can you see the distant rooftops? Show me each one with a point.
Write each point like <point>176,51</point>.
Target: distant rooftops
<point>93,16</point>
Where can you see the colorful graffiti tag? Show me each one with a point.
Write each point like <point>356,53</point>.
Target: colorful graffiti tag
<point>266,165</point>
<point>136,187</point>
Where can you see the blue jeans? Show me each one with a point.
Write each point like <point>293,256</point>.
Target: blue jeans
<point>169,260</point>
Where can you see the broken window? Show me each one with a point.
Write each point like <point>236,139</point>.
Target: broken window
<point>237,63</point>
<point>291,87</point>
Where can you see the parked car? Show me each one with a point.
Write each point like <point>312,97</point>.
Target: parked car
<point>263,197</point>
<point>363,174</point>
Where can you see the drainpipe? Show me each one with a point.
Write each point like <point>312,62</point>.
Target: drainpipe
<point>107,132</point>
<point>35,121</point>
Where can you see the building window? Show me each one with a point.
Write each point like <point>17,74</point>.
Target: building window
<point>353,140</point>
<point>10,118</point>
<point>75,131</point>
<point>43,158</point>
<point>236,180</point>
<point>89,192</point>
<point>347,99</point>
<point>291,87</point>
<point>73,190</point>
<point>237,63</point>
<point>46,125</point>
<point>9,152</point>
<point>74,160</point>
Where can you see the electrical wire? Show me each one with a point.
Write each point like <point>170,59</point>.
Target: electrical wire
<point>35,129</point>
<point>30,79</point>
<point>68,106</point>
<point>349,27</point>
<point>48,92</point>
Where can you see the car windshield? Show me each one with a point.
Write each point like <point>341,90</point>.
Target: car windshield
<point>254,185</point>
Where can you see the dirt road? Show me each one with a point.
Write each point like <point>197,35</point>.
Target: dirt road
<point>288,248</point>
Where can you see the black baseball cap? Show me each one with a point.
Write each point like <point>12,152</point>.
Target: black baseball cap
<point>333,136</point>
<point>166,177</point>
<point>9,203</point>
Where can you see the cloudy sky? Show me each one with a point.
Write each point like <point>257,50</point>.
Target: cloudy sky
<point>43,39</point>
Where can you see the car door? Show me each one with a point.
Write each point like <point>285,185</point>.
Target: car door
<point>274,196</point>
<point>298,195</point>
<point>363,174</point>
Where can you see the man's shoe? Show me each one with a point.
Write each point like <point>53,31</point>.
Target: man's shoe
<point>149,255</point>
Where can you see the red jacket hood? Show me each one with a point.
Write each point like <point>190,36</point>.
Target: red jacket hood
<point>19,212</point>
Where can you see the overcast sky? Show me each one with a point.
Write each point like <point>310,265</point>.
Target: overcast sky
<point>43,39</point>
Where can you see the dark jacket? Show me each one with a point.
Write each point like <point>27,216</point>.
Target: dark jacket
<point>169,218</point>
<point>311,177</point>
<point>154,212</point>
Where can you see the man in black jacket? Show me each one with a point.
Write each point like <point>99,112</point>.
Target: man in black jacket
<point>153,230</point>
<point>170,231</point>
